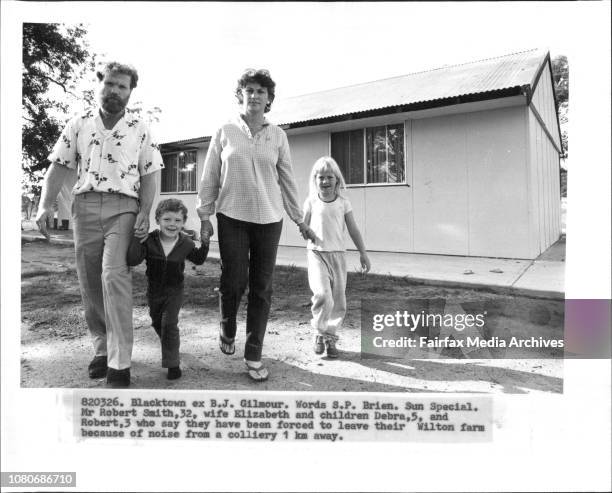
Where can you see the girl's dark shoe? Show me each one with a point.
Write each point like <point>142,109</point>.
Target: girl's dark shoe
<point>319,345</point>
<point>332,351</point>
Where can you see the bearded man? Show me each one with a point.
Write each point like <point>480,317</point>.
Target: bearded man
<point>117,163</point>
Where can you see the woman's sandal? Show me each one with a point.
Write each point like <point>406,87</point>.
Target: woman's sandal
<point>257,372</point>
<point>226,345</point>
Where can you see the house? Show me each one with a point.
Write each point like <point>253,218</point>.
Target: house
<point>459,160</point>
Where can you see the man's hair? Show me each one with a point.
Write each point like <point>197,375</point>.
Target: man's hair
<point>170,205</point>
<point>118,68</point>
<point>261,77</point>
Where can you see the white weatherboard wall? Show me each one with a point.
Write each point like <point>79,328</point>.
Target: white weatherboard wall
<point>498,194</point>
<point>470,184</point>
<point>440,185</point>
<point>544,146</point>
<point>468,188</point>
<point>388,212</point>
<point>545,193</point>
<point>305,150</point>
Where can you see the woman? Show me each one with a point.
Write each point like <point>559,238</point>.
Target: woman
<point>248,177</point>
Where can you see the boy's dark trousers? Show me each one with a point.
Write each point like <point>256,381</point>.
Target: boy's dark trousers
<point>164,307</point>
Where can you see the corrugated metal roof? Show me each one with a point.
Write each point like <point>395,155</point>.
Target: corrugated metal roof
<point>484,76</point>
<point>474,78</point>
<point>192,140</point>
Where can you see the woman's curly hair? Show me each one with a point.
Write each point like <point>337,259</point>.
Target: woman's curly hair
<point>261,77</point>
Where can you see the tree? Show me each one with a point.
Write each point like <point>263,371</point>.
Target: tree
<point>560,69</point>
<point>55,59</point>
<point>151,115</point>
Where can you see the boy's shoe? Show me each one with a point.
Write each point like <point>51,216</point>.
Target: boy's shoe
<point>118,378</point>
<point>332,351</point>
<point>97,367</point>
<point>174,373</point>
<point>319,345</point>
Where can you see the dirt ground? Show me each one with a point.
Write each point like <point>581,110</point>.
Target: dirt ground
<point>55,346</point>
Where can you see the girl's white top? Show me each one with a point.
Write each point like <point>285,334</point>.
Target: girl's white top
<point>328,223</point>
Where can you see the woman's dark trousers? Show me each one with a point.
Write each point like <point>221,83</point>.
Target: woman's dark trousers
<point>248,255</point>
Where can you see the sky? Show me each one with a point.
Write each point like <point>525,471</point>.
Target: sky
<point>190,55</point>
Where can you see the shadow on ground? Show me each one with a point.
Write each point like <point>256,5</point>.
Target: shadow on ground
<point>511,380</point>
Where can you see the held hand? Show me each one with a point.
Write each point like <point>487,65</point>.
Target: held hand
<point>206,232</point>
<point>310,235</point>
<point>41,220</point>
<point>365,263</point>
<point>306,232</point>
<point>141,226</point>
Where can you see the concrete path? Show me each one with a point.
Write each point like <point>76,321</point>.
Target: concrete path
<point>543,277</point>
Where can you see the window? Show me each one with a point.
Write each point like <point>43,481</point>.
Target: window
<point>370,155</point>
<point>179,172</point>
<point>347,150</point>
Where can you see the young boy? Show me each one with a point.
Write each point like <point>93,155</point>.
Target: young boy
<point>165,251</point>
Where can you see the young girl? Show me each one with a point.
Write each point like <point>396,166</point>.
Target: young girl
<point>329,214</point>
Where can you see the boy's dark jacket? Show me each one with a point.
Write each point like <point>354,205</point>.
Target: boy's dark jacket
<point>161,271</point>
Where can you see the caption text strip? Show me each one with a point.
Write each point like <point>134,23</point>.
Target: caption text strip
<point>191,416</point>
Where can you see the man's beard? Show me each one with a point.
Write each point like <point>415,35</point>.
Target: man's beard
<point>113,104</point>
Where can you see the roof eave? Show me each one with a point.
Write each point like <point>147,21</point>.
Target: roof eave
<point>186,142</point>
<point>524,90</point>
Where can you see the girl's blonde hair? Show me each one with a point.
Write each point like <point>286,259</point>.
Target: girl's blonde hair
<point>323,163</point>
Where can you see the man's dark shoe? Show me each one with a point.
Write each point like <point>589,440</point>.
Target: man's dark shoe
<point>118,378</point>
<point>174,373</point>
<point>98,366</point>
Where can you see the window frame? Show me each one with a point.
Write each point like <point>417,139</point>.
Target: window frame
<point>175,154</point>
<point>363,129</point>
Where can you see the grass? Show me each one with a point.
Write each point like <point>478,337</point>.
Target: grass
<point>43,273</point>
<point>56,321</point>
<point>50,289</point>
